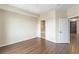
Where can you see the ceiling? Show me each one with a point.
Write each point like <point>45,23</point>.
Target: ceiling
<point>40,8</point>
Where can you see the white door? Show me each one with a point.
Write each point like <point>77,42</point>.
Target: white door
<point>63,31</point>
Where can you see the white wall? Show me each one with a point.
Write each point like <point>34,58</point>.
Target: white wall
<point>51,27</point>
<point>16,27</point>
<point>38,28</point>
<point>50,31</point>
<point>52,19</point>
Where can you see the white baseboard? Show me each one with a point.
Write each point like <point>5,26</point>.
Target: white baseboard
<point>16,42</point>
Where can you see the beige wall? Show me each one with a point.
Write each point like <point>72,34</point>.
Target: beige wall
<point>15,27</point>
<point>77,26</point>
<point>73,11</point>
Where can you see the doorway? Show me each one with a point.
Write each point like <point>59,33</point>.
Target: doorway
<point>43,29</point>
<point>73,27</point>
<point>73,30</point>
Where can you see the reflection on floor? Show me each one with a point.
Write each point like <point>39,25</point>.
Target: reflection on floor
<point>42,46</point>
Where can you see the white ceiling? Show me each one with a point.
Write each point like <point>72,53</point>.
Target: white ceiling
<point>40,8</point>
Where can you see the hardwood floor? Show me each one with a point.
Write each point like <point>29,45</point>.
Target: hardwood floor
<point>42,46</point>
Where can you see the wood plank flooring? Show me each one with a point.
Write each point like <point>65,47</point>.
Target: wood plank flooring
<point>42,46</point>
